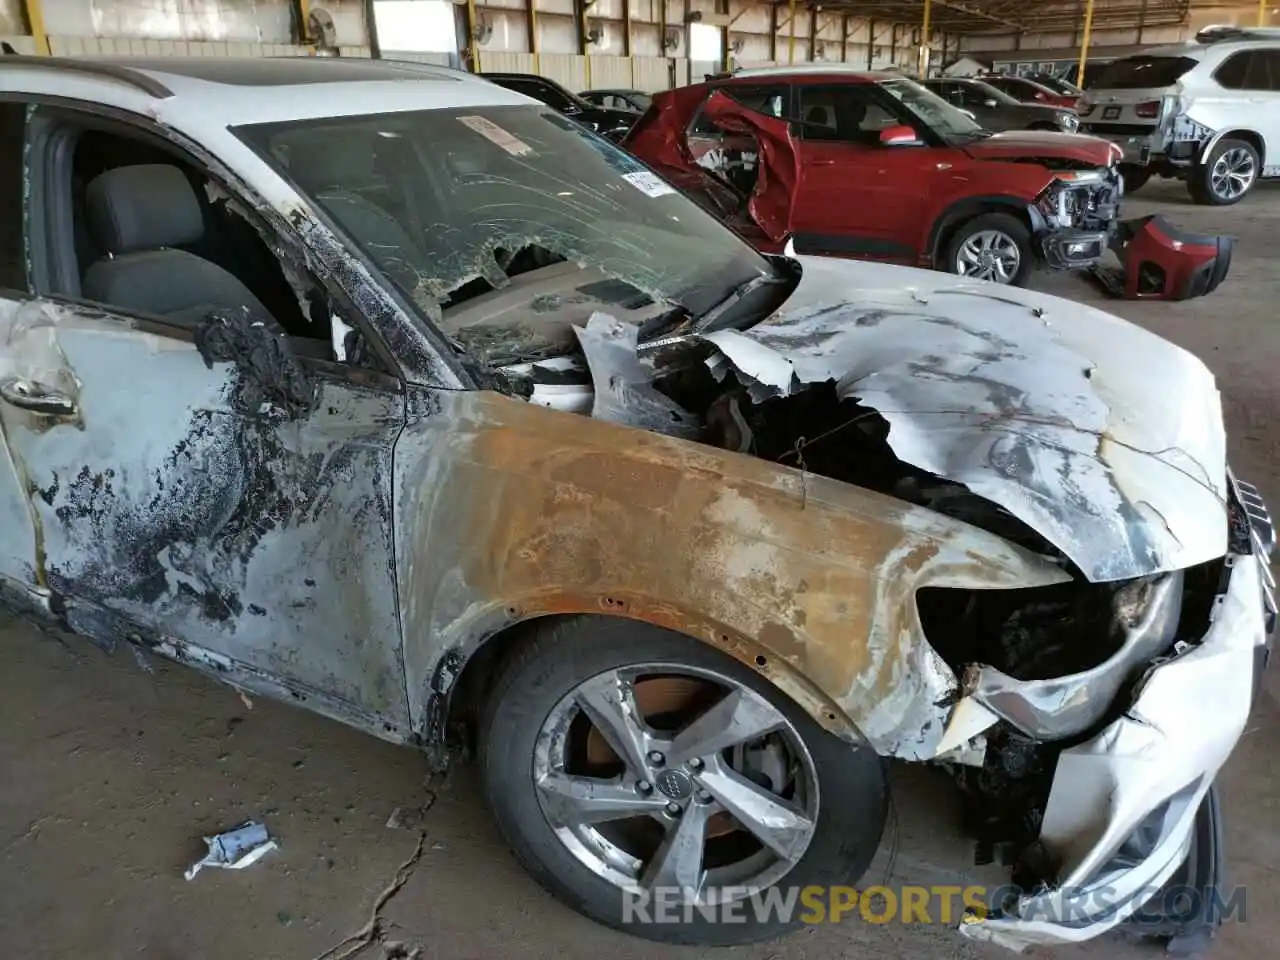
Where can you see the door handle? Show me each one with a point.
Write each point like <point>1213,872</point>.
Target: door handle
<point>20,392</point>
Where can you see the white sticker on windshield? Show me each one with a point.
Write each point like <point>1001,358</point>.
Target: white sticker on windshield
<point>495,134</point>
<point>650,184</point>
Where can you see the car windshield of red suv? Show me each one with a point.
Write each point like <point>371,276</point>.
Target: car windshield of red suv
<point>944,119</point>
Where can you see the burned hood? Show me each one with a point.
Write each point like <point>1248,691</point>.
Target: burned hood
<point>1102,437</point>
<point>1048,144</point>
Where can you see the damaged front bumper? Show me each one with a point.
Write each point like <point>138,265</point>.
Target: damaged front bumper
<point>1123,810</point>
<point>1072,249</point>
<point>1160,262</point>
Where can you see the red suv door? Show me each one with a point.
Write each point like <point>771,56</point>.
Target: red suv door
<point>857,197</point>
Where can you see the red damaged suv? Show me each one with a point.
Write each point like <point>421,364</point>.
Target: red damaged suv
<point>874,166</point>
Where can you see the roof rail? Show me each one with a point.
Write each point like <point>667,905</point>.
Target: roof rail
<point>1222,32</point>
<point>103,69</point>
<point>809,66</point>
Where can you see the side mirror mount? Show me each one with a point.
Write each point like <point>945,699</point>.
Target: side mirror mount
<point>899,135</point>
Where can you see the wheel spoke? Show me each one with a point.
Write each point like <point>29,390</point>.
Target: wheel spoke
<point>570,800</point>
<point>609,702</point>
<point>780,826</point>
<point>678,860</point>
<point>736,718</point>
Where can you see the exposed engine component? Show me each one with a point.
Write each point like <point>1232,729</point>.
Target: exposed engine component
<point>1082,200</point>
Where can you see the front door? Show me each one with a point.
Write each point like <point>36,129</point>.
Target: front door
<point>856,196</point>
<point>189,483</point>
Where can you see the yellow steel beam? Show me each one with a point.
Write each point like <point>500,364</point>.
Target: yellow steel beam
<point>1262,13</point>
<point>34,10</point>
<point>922,55</point>
<point>791,39</point>
<point>304,15</point>
<point>532,12</point>
<point>473,47</point>
<point>1084,43</point>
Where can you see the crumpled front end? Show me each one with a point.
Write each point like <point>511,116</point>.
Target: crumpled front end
<point>1073,218</point>
<point>1084,707</point>
<point>1121,818</point>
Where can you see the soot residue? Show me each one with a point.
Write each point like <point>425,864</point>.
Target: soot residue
<point>269,372</point>
<point>182,540</point>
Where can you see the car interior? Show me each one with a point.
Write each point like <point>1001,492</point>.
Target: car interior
<point>153,236</point>
<point>838,115</point>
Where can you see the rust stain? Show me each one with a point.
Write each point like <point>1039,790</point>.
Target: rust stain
<point>808,582</point>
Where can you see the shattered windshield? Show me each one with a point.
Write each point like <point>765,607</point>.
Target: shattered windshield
<point>505,226</point>
<point>942,117</point>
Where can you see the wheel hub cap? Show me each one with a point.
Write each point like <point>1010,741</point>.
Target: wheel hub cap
<point>675,784</point>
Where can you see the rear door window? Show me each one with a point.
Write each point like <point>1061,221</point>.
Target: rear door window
<point>1250,70</point>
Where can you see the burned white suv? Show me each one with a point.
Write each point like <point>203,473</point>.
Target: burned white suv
<point>1206,112</point>
<point>398,395</point>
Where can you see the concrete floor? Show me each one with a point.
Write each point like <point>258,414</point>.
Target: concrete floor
<point>111,773</point>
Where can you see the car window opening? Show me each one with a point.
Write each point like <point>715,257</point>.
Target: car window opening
<point>179,249</point>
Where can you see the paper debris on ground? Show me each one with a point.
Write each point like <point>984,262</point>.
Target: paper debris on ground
<point>235,849</point>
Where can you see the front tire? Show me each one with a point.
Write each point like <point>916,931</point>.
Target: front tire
<point>1227,175</point>
<point>617,756</point>
<point>994,247</point>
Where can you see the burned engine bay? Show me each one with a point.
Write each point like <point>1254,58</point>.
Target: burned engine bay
<point>1052,664</point>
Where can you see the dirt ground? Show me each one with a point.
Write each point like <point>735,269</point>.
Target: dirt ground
<point>111,770</point>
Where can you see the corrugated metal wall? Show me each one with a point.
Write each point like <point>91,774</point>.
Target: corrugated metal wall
<point>656,37</point>
<point>658,58</point>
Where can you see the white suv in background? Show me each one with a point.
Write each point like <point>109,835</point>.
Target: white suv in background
<point>1207,112</point>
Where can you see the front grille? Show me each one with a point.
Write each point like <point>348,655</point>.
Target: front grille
<point>1264,532</point>
<point>1262,538</point>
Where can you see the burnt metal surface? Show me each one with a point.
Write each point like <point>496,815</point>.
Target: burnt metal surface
<point>1015,402</point>
<point>509,512</point>
<point>269,373</point>
<point>169,509</point>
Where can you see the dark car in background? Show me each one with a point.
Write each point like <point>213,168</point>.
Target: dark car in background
<point>1057,84</point>
<point>997,111</point>
<point>607,122</point>
<point>1026,90</point>
<point>635,100</point>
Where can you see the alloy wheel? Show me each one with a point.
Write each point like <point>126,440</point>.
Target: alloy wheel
<point>989,255</point>
<point>1233,173</point>
<point>669,776</point>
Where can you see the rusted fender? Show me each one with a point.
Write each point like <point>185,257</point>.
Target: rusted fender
<point>510,511</point>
